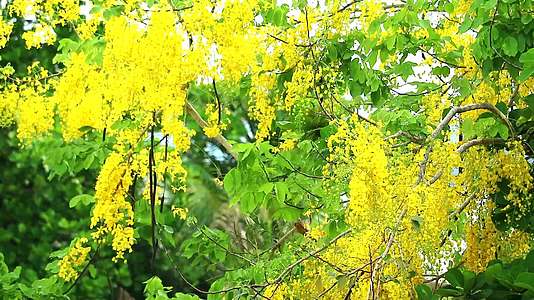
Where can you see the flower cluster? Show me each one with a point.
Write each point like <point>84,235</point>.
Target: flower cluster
<point>76,256</point>
<point>5,31</point>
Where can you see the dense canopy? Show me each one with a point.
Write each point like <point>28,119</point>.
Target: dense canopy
<point>281,150</point>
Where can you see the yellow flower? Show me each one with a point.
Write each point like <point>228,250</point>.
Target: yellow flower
<point>5,31</point>
<point>76,256</point>
<point>41,34</point>
<point>287,145</point>
<point>215,125</point>
<point>180,212</point>
<point>370,10</point>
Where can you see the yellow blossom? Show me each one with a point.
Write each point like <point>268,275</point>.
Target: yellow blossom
<point>69,264</point>
<point>5,31</point>
<point>180,212</point>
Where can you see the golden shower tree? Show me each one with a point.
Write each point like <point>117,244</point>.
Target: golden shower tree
<point>389,152</point>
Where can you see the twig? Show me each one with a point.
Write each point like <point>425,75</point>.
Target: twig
<point>299,171</point>
<point>445,121</point>
<point>91,260</point>
<point>411,137</point>
<point>202,291</point>
<point>164,172</point>
<point>460,209</point>
<point>461,109</point>
<point>250,262</point>
<point>311,254</point>
<point>320,296</point>
<point>481,141</point>
<point>219,107</point>
<point>219,138</point>
<point>460,150</point>
<point>434,56</point>
<point>152,191</point>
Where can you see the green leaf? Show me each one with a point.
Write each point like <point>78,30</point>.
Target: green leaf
<point>417,221</point>
<point>445,292</point>
<point>113,11</point>
<point>44,284</point>
<point>153,285</point>
<point>88,161</point>
<point>502,130</point>
<point>287,213</point>
<point>455,277</point>
<point>390,42</point>
<point>281,191</point>
<point>243,150</point>
<point>231,180</point>
<point>492,271</point>
<point>92,271</point>
<point>267,187</point>
<point>526,73</point>
<point>181,296</point>
<point>509,46</point>
<point>67,45</point>
<point>466,24</point>
<point>443,71</point>
<point>527,59</point>
<point>332,52</point>
<point>489,4</point>
<point>469,280</point>
<point>468,129</point>
<point>84,199</point>
<point>525,280</point>
<point>424,292</point>
<point>405,69</point>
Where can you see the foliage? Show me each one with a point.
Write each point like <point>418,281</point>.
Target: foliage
<point>499,281</point>
<point>250,149</point>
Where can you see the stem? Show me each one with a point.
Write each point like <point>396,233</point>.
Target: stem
<point>219,138</point>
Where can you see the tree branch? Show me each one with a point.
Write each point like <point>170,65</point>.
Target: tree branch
<point>219,138</point>
<point>461,109</point>
<point>481,141</point>
<point>310,254</point>
<point>445,121</point>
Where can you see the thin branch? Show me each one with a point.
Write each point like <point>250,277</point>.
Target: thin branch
<point>250,262</point>
<point>422,165</point>
<point>26,80</point>
<point>434,56</point>
<point>152,187</point>
<point>311,254</point>
<point>318,257</point>
<point>202,291</point>
<point>392,235</point>
<point>425,92</point>
<point>280,241</point>
<point>411,137</point>
<point>299,171</point>
<point>460,150</point>
<point>164,172</point>
<point>481,141</point>
<point>461,109</point>
<point>344,7</point>
<point>277,38</point>
<point>219,138</point>
<point>320,296</point>
<point>445,121</point>
<point>219,107</point>
<point>91,260</point>
<point>365,119</point>
<point>461,208</point>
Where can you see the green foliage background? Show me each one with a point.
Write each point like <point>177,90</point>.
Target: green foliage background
<point>38,183</point>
